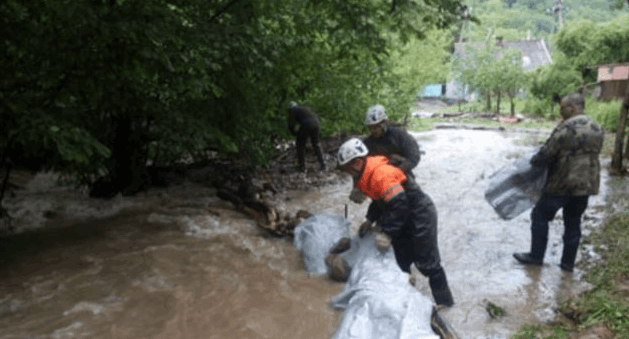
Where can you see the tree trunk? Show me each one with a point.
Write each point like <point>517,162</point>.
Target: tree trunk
<point>616,166</point>
<point>626,154</point>
<point>512,105</point>
<point>552,108</point>
<point>498,103</point>
<point>488,102</point>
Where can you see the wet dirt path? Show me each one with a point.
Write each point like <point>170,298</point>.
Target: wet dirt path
<point>183,264</point>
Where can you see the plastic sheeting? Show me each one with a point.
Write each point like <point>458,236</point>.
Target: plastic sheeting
<point>315,237</point>
<point>378,300</point>
<point>516,187</point>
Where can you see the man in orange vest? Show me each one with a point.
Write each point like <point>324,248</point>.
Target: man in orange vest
<point>402,211</point>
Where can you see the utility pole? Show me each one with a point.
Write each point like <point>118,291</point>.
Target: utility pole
<point>559,9</point>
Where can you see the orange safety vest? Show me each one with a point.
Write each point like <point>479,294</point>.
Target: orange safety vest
<point>380,180</point>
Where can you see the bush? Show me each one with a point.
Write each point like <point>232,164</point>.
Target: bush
<point>606,113</point>
<point>558,78</point>
<point>540,107</point>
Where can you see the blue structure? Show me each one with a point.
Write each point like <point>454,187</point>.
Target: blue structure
<point>432,90</point>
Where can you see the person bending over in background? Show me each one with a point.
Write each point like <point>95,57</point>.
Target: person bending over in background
<point>303,123</point>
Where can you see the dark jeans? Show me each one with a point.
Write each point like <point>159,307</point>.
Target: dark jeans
<point>302,136</point>
<point>544,211</point>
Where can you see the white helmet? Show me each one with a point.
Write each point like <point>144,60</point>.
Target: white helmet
<point>350,150</point>
<point>375,115</point>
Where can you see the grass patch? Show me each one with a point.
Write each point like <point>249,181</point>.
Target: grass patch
<point>421,125</point>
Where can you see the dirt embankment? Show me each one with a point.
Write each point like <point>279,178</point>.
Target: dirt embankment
<point>33,199</point>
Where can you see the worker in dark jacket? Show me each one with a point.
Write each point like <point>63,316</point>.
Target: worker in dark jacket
<point>303,123</point>
<point>390,141</point>
<point>571,156</point>
<point>402,211</point>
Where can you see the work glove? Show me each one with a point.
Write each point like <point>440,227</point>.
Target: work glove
<point>357,196</point>
<point>383,241</point>
<point>365,228</point>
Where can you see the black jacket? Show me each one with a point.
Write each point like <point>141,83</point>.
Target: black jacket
<point>304,116</point>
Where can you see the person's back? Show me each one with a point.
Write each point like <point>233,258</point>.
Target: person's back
<point>576,144</point>
<point>304,116</point>
<point>571,157</point>
<point>395,141</point>
<point>303,123</point>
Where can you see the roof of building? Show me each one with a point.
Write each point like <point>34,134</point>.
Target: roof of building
<point>534,52</point>
<point>609,72</point>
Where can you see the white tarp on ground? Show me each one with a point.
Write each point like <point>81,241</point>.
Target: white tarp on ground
<point>516,187</point>
<point>378,300</point>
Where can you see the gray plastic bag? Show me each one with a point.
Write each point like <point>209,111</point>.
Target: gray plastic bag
<point>378,300</point>
<point>516,187</point>
<point>315,237</point>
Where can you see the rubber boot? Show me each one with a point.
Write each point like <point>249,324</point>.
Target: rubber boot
<point>569,255</point>
<point>536,256</point>
<point>440,289</point>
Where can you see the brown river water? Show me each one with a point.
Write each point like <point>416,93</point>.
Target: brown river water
<point>181,263</point>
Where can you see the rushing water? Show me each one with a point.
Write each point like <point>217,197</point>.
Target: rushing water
<point>183,264</point>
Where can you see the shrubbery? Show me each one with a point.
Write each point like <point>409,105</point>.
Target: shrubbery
<point>606,113</point>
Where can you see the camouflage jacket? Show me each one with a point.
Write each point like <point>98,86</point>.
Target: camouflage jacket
<point>571,156</point>
<point>396,141</point>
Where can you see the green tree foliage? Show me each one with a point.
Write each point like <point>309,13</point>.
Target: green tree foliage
<point>102,88</point>
<point>490,70</point>
<point>512,19</point>
<point>474,69</point>
<point>587,44</point>
<point>557,78</point>
<point>509,77</point>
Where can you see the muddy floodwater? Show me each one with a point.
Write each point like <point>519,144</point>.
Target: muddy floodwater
<point>181,263</point>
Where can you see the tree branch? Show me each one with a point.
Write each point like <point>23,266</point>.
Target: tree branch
<point>223,10</point>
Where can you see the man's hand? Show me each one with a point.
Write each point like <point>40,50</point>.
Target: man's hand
<point>357,196</point>
<point>365,228</point>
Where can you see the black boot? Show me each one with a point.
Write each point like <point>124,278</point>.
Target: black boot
<point>527,259</point>
<point>569,255</point>
<point>440,289</point>
<point>536,255</point>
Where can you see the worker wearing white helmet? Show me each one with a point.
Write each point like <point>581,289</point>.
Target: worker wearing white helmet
<point>391,141</point>
<point>399,209</point>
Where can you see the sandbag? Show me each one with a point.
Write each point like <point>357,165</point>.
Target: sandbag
<point>378,300</point>
<point>315,237</point>
<point>516,187</point>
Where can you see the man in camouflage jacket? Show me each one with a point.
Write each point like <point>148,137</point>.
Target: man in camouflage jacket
<point>571,156</point>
